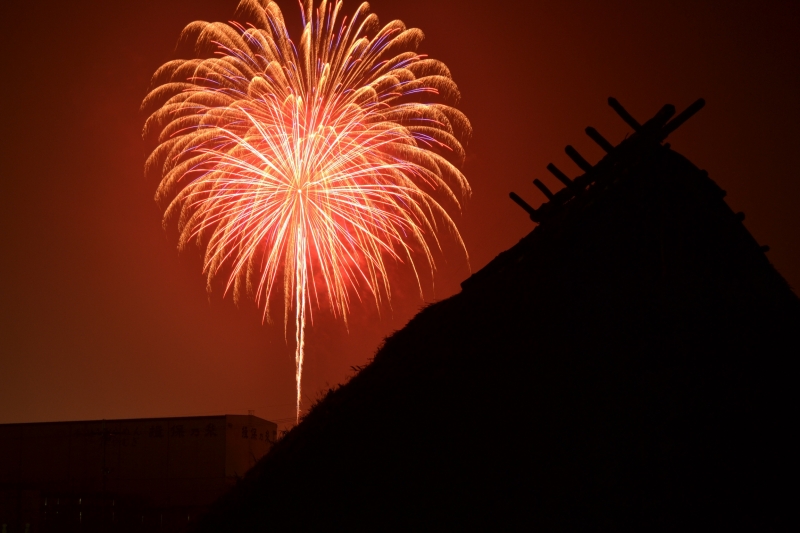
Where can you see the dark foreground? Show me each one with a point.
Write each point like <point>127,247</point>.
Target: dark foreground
<point>626,366</point>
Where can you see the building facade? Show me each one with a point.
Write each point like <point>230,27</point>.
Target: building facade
<point>156,474</point>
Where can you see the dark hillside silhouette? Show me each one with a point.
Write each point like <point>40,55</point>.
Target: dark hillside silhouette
<point>625,366</point>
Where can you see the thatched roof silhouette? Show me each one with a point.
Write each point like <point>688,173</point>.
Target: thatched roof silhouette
<point>627,365</point>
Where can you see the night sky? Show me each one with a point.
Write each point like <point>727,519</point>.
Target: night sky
<point>101,317</point>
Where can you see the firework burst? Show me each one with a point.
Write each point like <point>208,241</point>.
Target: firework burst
<point>300,170</point>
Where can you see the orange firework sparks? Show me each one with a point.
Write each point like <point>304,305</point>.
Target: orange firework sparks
<point>313,164</point>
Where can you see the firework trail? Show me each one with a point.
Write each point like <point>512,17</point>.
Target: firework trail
<point>309,165</point>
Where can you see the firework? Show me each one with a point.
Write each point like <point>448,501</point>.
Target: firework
<point>301,169</point>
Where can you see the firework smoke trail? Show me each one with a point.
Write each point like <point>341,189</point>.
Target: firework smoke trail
<point>313,164</point>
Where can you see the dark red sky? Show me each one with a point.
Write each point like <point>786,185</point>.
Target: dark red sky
<point>100,317</point>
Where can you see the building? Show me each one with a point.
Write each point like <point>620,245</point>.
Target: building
<point>634,353</point>
<point>149,474</point>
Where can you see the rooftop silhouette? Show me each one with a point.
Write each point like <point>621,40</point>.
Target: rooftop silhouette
<point>626,365</point>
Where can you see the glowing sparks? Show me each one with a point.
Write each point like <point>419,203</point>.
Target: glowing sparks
<point>309,165</point>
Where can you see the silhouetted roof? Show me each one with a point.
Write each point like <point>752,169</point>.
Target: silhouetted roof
<point>625,366</point>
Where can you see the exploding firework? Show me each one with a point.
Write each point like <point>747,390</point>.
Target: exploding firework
<point>310,165</point>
